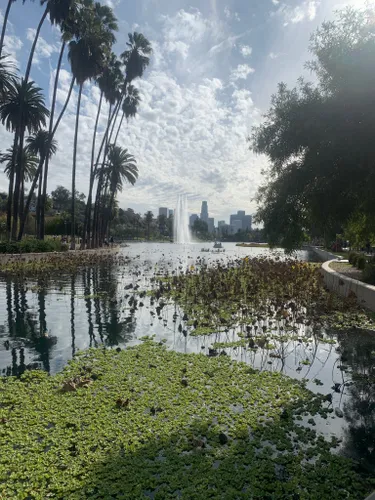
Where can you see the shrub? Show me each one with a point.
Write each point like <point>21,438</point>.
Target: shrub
<point>351,257</point>
<point>361,262</point>
<point>31,245</point>
<point>369,273</point>
<point>354,259</point>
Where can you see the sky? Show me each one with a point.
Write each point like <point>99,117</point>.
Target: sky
<point>214,67</point>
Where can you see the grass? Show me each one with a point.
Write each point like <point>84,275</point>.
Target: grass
<point>254,245</point>
<point>147,422</point>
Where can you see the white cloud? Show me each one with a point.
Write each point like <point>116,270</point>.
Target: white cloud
<point>273,55</point>
<point>306,11</point>
<point>231,15</point>
<point>43,49</point>
<point>276,2</point>
<point>246,51</point>
<point>241,72</point>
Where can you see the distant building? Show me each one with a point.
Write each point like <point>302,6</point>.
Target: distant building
<point>170,213</point>
<point>240,220</point>
<point>223,229</point>
<point>211,225</point>
<point>247,221</point>
<point>192,219</point>
<point>163,211</point>
<point>221,223</point>
<point>204,211</point>
<point>235,226</point>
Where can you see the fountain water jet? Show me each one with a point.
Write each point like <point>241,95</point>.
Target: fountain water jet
<point>181,221</point>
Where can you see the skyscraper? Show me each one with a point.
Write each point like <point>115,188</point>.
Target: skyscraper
<point>163,211</point>
<point>192,219</point>
<point>204,211</point>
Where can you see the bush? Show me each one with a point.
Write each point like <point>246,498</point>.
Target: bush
<point>361,262</point>
<point>31,245</point>
<point>352,255</point>
<point>354,259</point>
<point>368,274</point>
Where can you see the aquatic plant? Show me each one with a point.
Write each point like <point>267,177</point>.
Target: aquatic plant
<point>151,422</point>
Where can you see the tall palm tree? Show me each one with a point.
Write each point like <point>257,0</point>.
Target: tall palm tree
<point>86,56</point>
<point>66,18</point>
<point>136,59</point>
<point>120,166</point>
<point>129,106</point>
<point>109,84</point>
<point>29,163</point>
<point>39,144</point>
<point>23,110</point>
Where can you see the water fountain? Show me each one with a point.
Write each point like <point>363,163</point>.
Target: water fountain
<point>181,221</point>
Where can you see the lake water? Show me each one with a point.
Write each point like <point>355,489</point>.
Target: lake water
<point>43,322</point>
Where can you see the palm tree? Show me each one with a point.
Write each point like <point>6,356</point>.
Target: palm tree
<point>39,144</point>
<point>66,18</point>
<point>29,163</point>
<point>136,59</point>
<point>86,56</point>
<point>7,77</point>
<point>23,110</point>
<point>121,166</point>
<point>109,83</point>
<point>129,106</point>
<point>149,217</point>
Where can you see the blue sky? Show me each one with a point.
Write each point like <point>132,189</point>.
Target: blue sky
<point>215,66</point>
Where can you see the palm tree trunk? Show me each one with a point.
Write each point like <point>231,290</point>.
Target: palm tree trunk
<point>5,25</point>
<point>53,105</point>
<point>22,197</point>
<point>73,228</point>
<point>11,185</point>
<point>94,237</point>
<point>64,107</point>
<point>108,222</point>
<point>87,222</point>
<point>119,127</point>
<point>17,186</point>
<point>29,198</point>
<point>28,68</point>
<point>38,203</point>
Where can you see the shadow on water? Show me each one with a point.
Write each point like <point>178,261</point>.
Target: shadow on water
<point>197,461</point>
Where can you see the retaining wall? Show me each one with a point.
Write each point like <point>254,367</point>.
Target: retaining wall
<point>346,286</point>
<point>323,254</point>
<point>7,258</point>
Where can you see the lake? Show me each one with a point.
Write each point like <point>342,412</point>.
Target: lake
<point>45,321</point>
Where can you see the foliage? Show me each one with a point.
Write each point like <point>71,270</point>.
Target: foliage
<point>318,138</point>
<point>287,293</point>
<point>147,421</point>
<point>31,245</point>
<point>368,274</point>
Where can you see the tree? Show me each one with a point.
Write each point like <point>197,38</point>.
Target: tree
<point>120,166</point>
<point>318,138</point>
<point>149,218</point>
<point>162,223</point>
<point>129,106</point>
<point>200,228</point>
<point>23,110</point>
<point>7,78</point>
<point>86,56</point>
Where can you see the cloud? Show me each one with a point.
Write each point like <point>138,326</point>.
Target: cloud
<point>241,72</point>
<point>43,49</point>
<point>273,55</point>
<point>306,11</point>
<point>231,15</point>
<point>246,51</point>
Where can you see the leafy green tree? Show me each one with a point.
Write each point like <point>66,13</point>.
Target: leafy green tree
<point>200,229</point>
<point>318,138</point>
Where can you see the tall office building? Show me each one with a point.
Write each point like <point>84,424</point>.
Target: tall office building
<point>192,219</point>
<point>163,211</point>
<point>170,213</point>
<point>211,225</point>
<point>240,221</point>
<point>204,211</point>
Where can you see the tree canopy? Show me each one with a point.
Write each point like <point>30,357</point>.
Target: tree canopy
<point>318,137</point>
